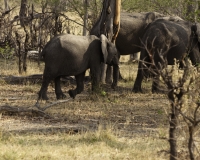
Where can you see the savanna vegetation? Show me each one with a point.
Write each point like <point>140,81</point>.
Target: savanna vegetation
<point>114,124</point>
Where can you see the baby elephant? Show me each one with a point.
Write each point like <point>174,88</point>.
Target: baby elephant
<point>71,55</point>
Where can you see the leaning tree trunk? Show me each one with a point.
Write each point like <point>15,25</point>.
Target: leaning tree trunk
<point>7,8</point>
<point>23,12</point>
<point>108,24</point>
<point>116,23</point>
<point>85,3</point>
<point>109,20</point>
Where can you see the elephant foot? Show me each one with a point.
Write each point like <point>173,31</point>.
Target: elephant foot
<point>108,81</point>
<point>43,96</point>
<point>96,88</point>
<point>114,85</point>
<point>60,96</point>
<point>137,90</point>
<point>72,93</point>
<point>157,91</point>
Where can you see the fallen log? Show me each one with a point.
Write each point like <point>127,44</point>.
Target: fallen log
<point>35,79</point>
<point>36,110</point>
<point>6,109</point>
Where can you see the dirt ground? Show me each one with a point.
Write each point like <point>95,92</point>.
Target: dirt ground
<point>127,113</point>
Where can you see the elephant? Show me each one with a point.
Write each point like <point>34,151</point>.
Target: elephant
<point>132,28</point>
<point>172,39</point>
<point>72,55</point>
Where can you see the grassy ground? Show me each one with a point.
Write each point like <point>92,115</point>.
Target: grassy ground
<point>118,125</point>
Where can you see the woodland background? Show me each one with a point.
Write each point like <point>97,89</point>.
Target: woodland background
<point>114,125</point>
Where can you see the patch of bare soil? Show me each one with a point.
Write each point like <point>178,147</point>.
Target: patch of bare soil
<point>127,113</point>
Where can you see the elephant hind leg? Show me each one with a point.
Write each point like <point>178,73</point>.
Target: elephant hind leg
<point>137,88</point>
<point>43,90</point>
<point>79,85</point>
<point>58,91</point>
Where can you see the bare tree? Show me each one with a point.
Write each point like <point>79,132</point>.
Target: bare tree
<point>23,12</point>
<point>183,94</point>
<point>85,20</point>
<point>7,7</point>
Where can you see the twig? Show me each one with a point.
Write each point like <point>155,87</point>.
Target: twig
<point>52,104</point>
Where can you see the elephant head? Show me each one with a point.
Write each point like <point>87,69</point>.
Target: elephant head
<point>110,53</point>
<point>194,49</point>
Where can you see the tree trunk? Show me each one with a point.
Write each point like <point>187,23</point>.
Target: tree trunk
<point>191,142</point>
<point>85,17</point>
<point>116,23</point>
<point>18,51</point>
<point>23,12</point>
<point>173,125</point>
<point>7,8</point>
<point>26,43</point>
<point>108,24</point>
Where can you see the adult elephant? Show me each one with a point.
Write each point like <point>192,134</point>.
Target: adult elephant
<point>132,28</point>
<point>172,39</point>
<point>70,55</point>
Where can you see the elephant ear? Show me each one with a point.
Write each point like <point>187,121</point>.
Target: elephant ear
<point>196,30</point>
<point>150,17</point>
<point>104,42</point>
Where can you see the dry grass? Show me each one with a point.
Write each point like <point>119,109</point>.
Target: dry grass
<point>101,144</point>
<point>118,125</point>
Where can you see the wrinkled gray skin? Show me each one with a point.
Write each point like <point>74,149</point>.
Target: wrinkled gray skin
<point>132,28</point>
<point>173,39</point>
<point>70,55</point>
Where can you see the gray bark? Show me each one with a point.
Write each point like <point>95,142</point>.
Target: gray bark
<point>7,7</point>
<point>23,12</point>
<point>85,3</point>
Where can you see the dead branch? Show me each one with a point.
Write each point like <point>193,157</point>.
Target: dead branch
<point>39,111</point>
<point>7,12</point>
<point>22,110</point>
<point>35,78</point>
<point>52,104</point>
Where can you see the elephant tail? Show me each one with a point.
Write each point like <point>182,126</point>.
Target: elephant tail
<point>41,55</point>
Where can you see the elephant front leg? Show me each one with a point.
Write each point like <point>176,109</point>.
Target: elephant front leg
<point>115,76</point>
<point>58,91</point>
<point>79,85</point>
<point>95,79</point>
<point>109,73</point>
<point>103,72</point>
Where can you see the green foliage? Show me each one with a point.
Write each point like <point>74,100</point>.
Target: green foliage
<point>6,52</point>
<point>136,5</point>
<point>168,7</point>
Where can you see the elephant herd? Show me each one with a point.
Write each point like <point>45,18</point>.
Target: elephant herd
<point>149,33</point>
